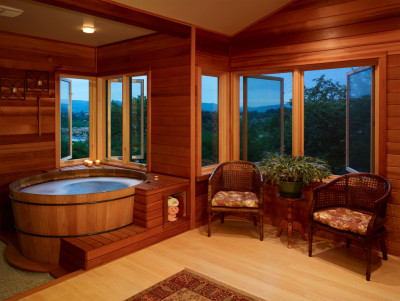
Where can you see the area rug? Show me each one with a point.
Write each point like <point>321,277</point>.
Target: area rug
<point>190,285</point>
<point>14,281</point>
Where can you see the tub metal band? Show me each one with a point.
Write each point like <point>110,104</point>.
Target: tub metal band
<point>69,204</point>
<point>66,236</point>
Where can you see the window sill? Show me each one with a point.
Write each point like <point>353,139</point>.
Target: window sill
<point>139,167</point>
<point>206,173</point>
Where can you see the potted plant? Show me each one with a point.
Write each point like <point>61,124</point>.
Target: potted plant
<point>290,173</point>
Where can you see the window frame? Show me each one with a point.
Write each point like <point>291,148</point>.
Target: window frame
<point>224,134</point>
<point>92,120</point>
<point>103,121</point>
<point>379,61</point>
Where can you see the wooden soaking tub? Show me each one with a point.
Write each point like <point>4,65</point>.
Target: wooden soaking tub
<point>54,205</point>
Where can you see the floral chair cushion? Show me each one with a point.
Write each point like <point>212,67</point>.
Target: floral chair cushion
<point>235,199</point>
<point>343,219</point>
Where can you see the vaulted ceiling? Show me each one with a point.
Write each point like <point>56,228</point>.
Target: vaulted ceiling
<point>54,22</point>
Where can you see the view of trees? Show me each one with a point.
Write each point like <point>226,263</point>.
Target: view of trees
<point>209,137</point>
<point>264,133</point>
<point>116,128</point>
<point>325,123</point>
<point>80,135</point>
<point>324,129</point>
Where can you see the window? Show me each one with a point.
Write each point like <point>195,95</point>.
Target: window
<point>359,129</point>
<point>138,119</point>
<point>337,117</point>
<point>126,107</point>
<point>209,120</point>
<point>74,119</point>
<point>265,115</point>
<point>114,116</point>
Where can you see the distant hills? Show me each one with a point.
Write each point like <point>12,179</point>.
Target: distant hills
<point>211,107</point>
<point>77,107</point>
<point>83,106</point>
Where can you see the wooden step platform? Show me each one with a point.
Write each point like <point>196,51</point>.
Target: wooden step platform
<point>91,251</point>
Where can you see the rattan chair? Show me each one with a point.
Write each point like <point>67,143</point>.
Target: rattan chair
<point>354,207</point>
<point>236,186</point>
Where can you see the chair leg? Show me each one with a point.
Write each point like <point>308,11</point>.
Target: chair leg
<point>310,240</point>
<point>209,223</point>
<point>368,271</point>
<point>222,217</point>
<point>261,227</point>
<point>383,248</point>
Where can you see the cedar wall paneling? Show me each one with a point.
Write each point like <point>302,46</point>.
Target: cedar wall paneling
<point>212,52</point>
<point>310,32</point>
<point>22,151</point>
<point>168,58</point>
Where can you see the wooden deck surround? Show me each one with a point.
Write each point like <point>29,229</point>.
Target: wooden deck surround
<point>149,227</point>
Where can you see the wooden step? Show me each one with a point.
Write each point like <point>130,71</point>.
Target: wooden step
<point>90,251</point>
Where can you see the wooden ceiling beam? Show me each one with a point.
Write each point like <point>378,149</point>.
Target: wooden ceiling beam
<point>122,14</point>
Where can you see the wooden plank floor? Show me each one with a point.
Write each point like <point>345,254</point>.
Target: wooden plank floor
<point>234,255</point>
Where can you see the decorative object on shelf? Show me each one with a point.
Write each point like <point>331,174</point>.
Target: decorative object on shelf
<point>290,173</point>
<point>37,81</point>
<point>12,88</point>
<point>173,208</point>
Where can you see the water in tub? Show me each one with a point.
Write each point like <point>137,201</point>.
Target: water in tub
<point>81,185</point>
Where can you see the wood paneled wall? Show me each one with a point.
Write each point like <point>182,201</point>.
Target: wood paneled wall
<point>212,52</point>
<point>311,32</point>
<point>168,58</point>
<point>22,151</point>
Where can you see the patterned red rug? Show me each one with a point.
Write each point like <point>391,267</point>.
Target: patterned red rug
<point>189,285</point>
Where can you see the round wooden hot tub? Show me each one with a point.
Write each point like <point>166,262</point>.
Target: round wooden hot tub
<point>48,207</point>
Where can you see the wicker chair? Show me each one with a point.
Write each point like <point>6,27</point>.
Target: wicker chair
<point>236,186</point>
<point>354,207</point>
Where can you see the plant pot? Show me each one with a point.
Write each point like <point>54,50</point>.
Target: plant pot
<point>291,189</point>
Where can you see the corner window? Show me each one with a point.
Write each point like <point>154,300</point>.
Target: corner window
<point>74,118</point>
<point>265,115</point>
<point>126,107</point>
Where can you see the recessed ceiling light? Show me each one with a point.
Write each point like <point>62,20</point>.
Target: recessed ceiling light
<point>88,29</point>
<point>6,11</point>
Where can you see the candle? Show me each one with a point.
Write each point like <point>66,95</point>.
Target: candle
<point>89,163</point>
<point>85,162</point>
<point>97,162</point>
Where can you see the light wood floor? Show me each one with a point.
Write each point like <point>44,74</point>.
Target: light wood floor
<point>236,257</point>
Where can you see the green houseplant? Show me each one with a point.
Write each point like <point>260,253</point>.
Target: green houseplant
<point>290,173</point>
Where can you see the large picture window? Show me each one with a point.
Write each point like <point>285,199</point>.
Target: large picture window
<point>74,117</point>
<point>337,118</point>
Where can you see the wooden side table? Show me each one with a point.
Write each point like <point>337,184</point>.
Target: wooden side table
<point>290,224</point>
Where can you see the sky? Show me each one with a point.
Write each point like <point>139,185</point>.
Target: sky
<point>80,89</point>
<point>209,91</point>
<point>259,87</point>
